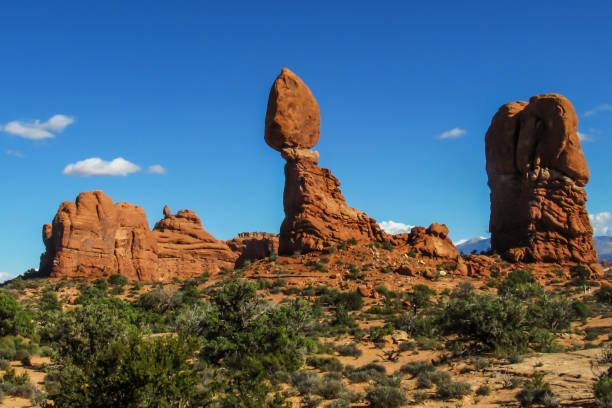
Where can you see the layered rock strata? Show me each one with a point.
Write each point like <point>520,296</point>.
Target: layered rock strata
<point>537,173</point>
<point>316,213</point>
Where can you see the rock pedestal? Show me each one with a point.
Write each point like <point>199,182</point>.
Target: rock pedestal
<point>537,173</point>
<point>316,213</point>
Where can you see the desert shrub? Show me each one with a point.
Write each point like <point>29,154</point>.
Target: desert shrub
<point>48,301</point>
<point>453,390</point>
<point>521,284</point>
<point>350,349</point>
<point>385,397</point>
<point>406,346</point>
<point>350,300</point>
<point>602,389</point>
<point>4,364</point>
<point>420,397</point>
<point>329,388</point>
<point>117,280</point>
<point>342,318</point>
<point>388,245</point>
<point>483,390</point>
<point>91,292</point>
<point>305,382</point>
<point>339,403</point>
<point>149,372</point>
<point>464,289</point>
<point>14,319</point>
<point>415,368</point>
<point>420,296</point>
<point>506,324</point>
<point>537,391</point>
<point>352,241</point>
<point>369,372</point>
<point>325,363</point>
<point>580,309</point>
<point>378,332</point>
<point>354,273</point>
<point>604,294</point>
<point>428,379</point>
<point>580,274</point>
<point>159,301</point>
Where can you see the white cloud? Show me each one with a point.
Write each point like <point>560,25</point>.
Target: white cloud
<point>37,130</point>
<point>15,153</point>
<point>97,167</point>
<point>452,134</point>
<point>392,227</point>
<point>5,276</point>
<point>156,169</point>
<point>602,223</point>
<point>601,108</point>
<point>585,137</point>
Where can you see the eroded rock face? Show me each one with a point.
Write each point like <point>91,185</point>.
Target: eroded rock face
<point>316,213</point>
<point>251,246</point>
<point>95,238</point>
<point>186,249</point>
<point>537,173</point>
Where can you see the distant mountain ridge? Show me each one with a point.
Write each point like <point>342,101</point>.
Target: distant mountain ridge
<point>603,245</point>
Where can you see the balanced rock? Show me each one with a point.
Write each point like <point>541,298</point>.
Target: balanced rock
<point>316,213</point>
<point>292,119</point>
<point>537,173</point>
<point>95,238</point>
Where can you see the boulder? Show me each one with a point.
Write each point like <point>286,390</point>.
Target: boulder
<point>292,118</point>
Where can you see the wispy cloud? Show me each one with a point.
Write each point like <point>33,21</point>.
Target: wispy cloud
<point>606,107</point>
<point>602,223</point>
<point>156,169</point>
<point>5,276</point>
<point>585,137</point>
<point>455,133</point>
<point>15,153</point>
<point>36,129</point>
<point>392,227</point>
<point>97,167</point>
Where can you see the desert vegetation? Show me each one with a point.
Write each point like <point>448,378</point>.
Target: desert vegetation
<point>238,340</point>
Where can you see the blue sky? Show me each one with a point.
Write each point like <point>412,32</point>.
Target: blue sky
<point>184,85</point>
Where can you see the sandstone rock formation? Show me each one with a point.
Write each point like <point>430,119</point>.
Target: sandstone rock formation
<point>94,238</point>
<point>253,245</point>
<point>186,249</point>
<point>537,173</point>
<point>316,213</point>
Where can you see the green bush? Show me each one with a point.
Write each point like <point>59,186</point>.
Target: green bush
<point>604,294</point>
<point>117,280</point>
<point>385,397</point>
<point>415,368</point>
<point>603,391</point>
<point>537,391</point>
<point>351,349</point>
<point>483,390</point>
<point>14,319</point>
<point>580,274</point>
<point>453,390</point>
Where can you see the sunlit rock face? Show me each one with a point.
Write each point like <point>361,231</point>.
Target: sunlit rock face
<point>537,173</point>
